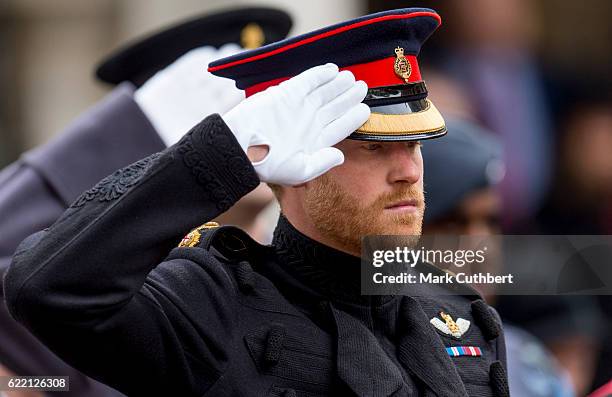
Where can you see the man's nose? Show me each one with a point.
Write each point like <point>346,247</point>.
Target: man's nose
<point>406,164</point>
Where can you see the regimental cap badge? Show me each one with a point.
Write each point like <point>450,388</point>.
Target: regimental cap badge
<point>193,237</point>
<point>401,65</point>
<point>252,36</point>
<point>449,326</point>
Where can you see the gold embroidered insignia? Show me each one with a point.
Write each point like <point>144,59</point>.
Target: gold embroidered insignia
<point>193,237</point>
<point>450,327</point>
<point>401,65</point>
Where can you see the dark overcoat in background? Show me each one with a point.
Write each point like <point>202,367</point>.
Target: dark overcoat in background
<point>37,189</point>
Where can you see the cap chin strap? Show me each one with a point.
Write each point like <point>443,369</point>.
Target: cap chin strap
<point>389,95</point>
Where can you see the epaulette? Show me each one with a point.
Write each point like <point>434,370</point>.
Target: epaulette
<point>230,241</point>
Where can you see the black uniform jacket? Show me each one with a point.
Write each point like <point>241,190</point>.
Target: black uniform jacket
<point>41,185</point>
<point>104,288</point>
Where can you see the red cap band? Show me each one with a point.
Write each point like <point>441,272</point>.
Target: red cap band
<point>379,73</point>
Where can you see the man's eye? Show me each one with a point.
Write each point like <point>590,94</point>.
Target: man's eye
<point>413,144</point>
<point>372,146</point>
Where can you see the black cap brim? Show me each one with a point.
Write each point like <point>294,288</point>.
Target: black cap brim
<point>141,59</point>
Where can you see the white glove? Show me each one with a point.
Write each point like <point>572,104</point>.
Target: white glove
<point>182,94</point>
<point>299,120</point>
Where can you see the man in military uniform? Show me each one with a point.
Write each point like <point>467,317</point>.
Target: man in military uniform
<point>221,315</point>
<point>145,113</point>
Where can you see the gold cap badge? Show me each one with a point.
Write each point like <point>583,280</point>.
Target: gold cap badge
<point>252,36</point>
<point>401,65</point>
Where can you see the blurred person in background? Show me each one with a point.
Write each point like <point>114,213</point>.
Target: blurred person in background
<point>572,327</point>
<point>140,116</point>
<point>569,326</point>
<point>162,89</point>
<point>466,202</point>
<point>581,199</point>
<point>492,58</point>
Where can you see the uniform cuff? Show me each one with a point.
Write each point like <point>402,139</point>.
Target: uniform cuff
<point>214,156</point>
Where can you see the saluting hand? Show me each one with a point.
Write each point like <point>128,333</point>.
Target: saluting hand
<point>180,95</point>
<point>298,122</point>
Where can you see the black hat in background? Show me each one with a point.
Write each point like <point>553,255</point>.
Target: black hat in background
<point>467,159</point>
<point>139,60</point>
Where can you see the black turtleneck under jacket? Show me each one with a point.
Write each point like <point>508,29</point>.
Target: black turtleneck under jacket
<point>104,288</point>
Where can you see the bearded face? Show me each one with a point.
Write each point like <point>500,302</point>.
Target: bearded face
<point>345,218</point>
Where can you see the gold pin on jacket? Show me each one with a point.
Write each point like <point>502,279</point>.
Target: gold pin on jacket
<point>449,326</point>
<point>193,237</point>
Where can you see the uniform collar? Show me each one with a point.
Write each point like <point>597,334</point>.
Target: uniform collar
<point>328,272</point>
